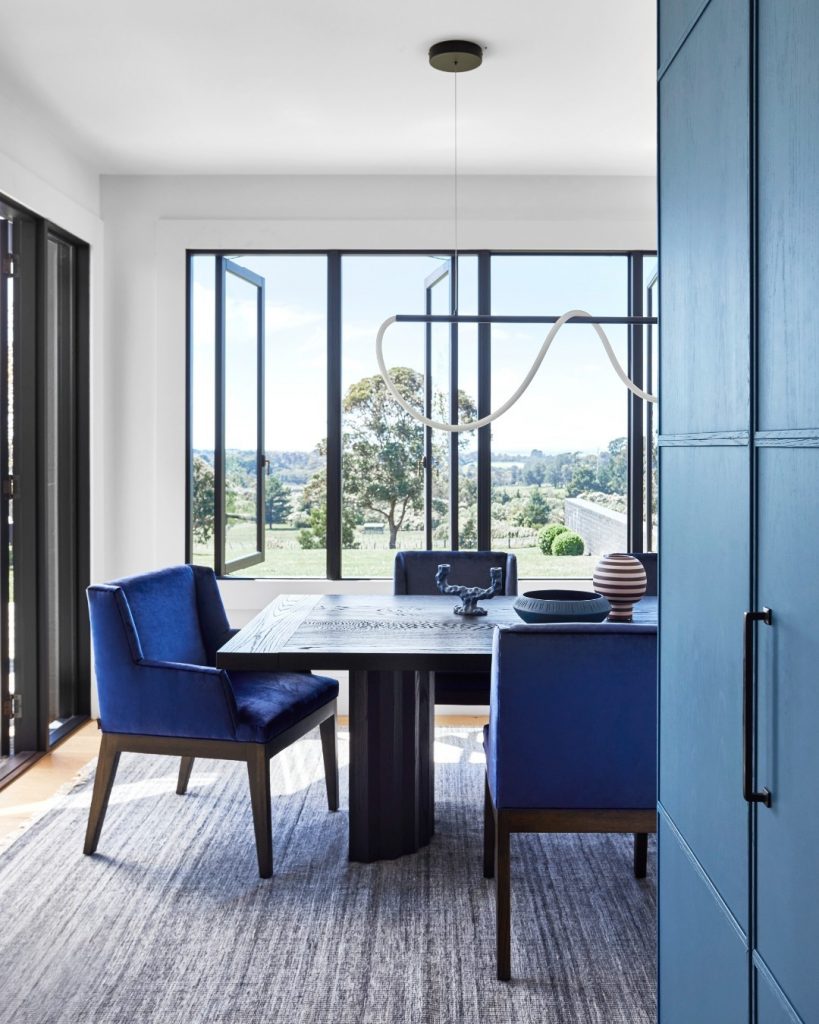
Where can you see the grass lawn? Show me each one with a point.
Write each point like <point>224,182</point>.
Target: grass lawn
<point>284,557</point>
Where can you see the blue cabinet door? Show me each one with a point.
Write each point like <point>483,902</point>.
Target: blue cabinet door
<point>772,1007</point>
<point>786,932</point>
<point>703,956</point>
<point>787,833</point>
<point>705,288</point>
<point>705,514</point>
<point>704,590</point>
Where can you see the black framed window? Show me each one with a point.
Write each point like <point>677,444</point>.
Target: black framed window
<point>345,477</point>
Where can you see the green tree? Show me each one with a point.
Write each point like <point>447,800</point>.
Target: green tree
<point>277,501</point>
<point>613,472</point>
<point>536,510</point>
<point>314,503</point>
<point>534,470</point>
<point>384,448</point>
<point>583,478</point>
<point>202,500</point>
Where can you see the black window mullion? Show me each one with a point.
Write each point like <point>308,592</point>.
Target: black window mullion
<point>261,457</point>
<point>454,438</point>
<point>484,400</point>
<point>635,407</point>
<point>219,426</point>
<point>189,400</point>
<point>334,447</point>
<point>428,453</point>
<point>649,460</point>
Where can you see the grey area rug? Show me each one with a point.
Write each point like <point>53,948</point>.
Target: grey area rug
<point>170,923</point>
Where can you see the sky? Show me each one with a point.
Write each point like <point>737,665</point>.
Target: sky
<point>575,403</point>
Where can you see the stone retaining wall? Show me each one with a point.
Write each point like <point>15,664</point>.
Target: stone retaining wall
<point>602,529</point>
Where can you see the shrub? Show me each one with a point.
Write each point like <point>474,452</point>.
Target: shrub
<point>546,537</point>
<point>568,543</point>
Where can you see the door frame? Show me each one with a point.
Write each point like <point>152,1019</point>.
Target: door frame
<point>33,735</point>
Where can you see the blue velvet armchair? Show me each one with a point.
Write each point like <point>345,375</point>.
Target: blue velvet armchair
<point>155,638</point>
<point>571,742</point>
<point>414,573</point>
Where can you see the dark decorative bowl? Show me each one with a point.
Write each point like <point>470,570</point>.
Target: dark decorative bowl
<point>562,606</point>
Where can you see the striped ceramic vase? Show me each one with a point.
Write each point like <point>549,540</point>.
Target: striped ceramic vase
<point>622,579</point>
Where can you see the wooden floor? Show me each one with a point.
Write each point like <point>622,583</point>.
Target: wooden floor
<point>30,792</point>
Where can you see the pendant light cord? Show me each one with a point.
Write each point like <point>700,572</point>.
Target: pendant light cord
<point>455,189</point>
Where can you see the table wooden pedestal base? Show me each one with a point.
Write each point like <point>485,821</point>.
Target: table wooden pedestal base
<point>391,763</point>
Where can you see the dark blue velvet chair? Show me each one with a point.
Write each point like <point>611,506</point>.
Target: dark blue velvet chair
<point>571,742</point>
<point>414,573</point>
<point>155,638</point>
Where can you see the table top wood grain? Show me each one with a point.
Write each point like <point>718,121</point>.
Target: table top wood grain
<point>372,632</point>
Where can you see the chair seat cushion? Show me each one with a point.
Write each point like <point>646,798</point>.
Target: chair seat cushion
<point>271,702</point>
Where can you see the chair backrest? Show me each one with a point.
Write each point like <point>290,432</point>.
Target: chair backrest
<point>174,615</point>
<point>177,613</point>
<point>573,716</point>
<point>414,571</point>
<point>649,560</point>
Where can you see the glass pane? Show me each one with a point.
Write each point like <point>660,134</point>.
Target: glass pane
<point>440,365</point>
<point>468,404</point>
<point>60,496</point>
<point>295,508</point>
<point>559,456</point>
<point>383,446</point>
<point>202,410</point>
<point>241,417</point>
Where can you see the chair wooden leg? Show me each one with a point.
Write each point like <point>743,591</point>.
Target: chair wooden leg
<point>503,898</point>
<point>185,769</point>
<point>258,773</point>
<point>488,832</point>
<point>103,781</point>
<point>640,854</point>
<point>329,750</point>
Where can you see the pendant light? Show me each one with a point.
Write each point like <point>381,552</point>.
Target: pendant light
<point>456,56</point>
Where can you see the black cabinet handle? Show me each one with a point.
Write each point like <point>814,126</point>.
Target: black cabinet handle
<point>748,726</point>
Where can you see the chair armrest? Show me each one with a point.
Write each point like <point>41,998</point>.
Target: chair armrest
<point>172,699</point>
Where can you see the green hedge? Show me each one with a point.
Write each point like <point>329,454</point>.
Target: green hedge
<point>546,537</point>
<point>568,543</point>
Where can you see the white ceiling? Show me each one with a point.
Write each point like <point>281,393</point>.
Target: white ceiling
<point>338,86</point>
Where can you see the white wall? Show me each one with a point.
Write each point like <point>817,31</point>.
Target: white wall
<point>149,223</point>
<point>151,220</point>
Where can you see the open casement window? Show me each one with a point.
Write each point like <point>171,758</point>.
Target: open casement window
<point>239,461</point>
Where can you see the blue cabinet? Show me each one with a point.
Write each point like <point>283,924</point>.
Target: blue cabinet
<point>739,517</point>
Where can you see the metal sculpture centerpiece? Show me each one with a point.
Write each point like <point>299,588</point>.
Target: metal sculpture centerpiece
<point>469,595</point>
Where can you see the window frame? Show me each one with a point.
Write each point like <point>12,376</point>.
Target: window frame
<point>637,414</point>
<point>224,567</point>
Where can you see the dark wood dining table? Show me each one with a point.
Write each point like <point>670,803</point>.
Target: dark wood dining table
<point>392,647</point>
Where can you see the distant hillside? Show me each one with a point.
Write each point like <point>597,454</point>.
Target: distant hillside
<point>293,468</point>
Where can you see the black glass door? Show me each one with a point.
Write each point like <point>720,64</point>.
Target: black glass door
<point>6,504</point>
<point>44,512</point>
